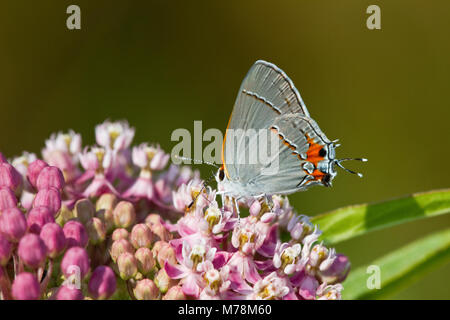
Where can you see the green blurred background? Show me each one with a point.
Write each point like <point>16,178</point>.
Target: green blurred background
<point>163,64</point>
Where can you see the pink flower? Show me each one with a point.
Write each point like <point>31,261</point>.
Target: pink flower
<point>68,143</point>
<point>97,162</point>
<point>288,258</point>
<point>191,264</point>
<point>329,292</point>
<point>271,287</point>
<point>114,135</point>
<point>50,177</point>
<point>216,283</point>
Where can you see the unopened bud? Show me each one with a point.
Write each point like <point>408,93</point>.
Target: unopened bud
<point>146,289</point>
<point>76,234</point>
<point>38,217</point>
<point>5,250</point>
<point>84,210</point>
<point>7,199</point>
<point>68,293</point>
<point>55,240</point>
<point>163,281</point>
<point>33,171</point>
<point>120,246</point>
<point>127,265</point>
<point>159,230</point>
<point>26,287</point>
<point>120,233</point>
<point>9,177</point>
<point>102,284</point>
<point>141,236</point>
<point>32,251</point>
<point>175,293</point>
<point>145,260</point>
<point>107,201</point>
<point>167,253</point>
<point>13,224</point>
<point>75,262</point>
<point>50,177</point>
<point>107,217</point>
<point>48,197</point>
<point>124,214</point>
<point>96,230</point>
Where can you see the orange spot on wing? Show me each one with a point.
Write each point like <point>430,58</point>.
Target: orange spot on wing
<point>312,155</point>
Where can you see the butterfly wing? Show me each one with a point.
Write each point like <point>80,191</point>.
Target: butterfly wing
<point>305,157</point>
<point>265,94</point>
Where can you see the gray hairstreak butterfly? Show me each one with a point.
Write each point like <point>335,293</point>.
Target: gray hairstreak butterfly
<point>268,102</point>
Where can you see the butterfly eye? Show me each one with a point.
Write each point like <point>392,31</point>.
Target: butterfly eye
<point>221,174</point>
<point>326,179</point>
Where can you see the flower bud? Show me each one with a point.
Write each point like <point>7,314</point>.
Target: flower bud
<point>9,177</point>
<point>5,250</point>
<point>48,197</point>
<point>13,224</point>
<point>146,289</point>
<point>75,234</point>
<point>38,217</point>
<point>75,261</point>
<point>153,218</point>
<point>33,171</point>
<point>84,210</point>
<point>174,293</point>
<point>127,265</point>
<point>167,253</point>
<point>96,230</point>
<point>120,233</point>
<point>7,199</point>
<point>50,177</point>
<point>120,246</point>
<point>124,214</point>
<point>26,287</point>
<point>107,216</point>
<point>159,230</point>
<point>55,240</point>
<point>102,284</point>
<point>68,293</point>
<point>157,247</point>
<point>107,201</point>
<point>65,214</point>
<point>338,270</point>
<point>163,281</point>
<point>2,158</point>
<point>141,236</point>
<point>32,250</point>
<point>145,260</point>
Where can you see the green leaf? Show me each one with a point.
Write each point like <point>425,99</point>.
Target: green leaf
<point>400,267</point>
<point>349,222</point>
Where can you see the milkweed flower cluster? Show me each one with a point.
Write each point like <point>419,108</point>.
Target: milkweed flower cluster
<point>116,221</point>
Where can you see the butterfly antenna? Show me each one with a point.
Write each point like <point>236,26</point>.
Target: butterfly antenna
<point>205,184</point>
<point>338,163</point>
